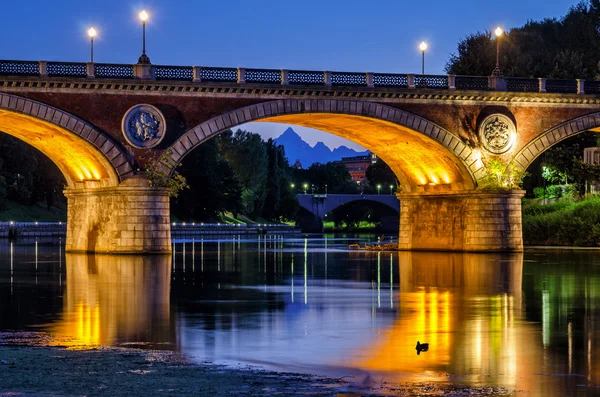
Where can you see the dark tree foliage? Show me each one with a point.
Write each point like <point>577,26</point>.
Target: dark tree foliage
<point>317,176</point>
<point>214,188</point>
<point>380,174</point>
<point>27,176</point>
<point>568,47</point>
<point>237,173</point>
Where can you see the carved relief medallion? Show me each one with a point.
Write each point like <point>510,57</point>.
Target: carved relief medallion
<point>143,126</point>
<point>497,133</point>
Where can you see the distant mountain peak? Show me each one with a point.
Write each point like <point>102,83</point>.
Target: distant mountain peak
<point>297,148</point>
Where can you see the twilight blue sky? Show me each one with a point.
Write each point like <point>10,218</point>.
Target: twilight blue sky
<point>345,35</point>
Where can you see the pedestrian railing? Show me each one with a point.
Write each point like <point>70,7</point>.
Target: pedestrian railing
<point>286,77</point>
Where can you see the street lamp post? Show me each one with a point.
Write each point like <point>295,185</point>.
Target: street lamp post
<point>391,189</point>
<point>423,47</point>
<point>92,33</point>
<point>498,32</point>
<point>144,58</point>
<point>325,188</point>
<point>378,188</point>
<point>305,186</point>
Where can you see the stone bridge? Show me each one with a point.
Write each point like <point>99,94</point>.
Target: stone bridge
<point>320,204</point>
<point>102,124</point>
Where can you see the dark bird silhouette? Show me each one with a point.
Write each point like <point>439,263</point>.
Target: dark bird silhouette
<point>422,347</point>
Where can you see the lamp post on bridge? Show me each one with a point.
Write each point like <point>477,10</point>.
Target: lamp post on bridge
<point>305,186</point>
<point>144,58</point>
<point>92,33</point>
<point>498,32</point>
<point>378,189</point>
<point>391,189</point>
<point>423,47</point>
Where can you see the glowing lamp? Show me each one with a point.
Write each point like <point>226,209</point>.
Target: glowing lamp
<point>144,16</point>
<point>423,46</point>
<point>498,32</point>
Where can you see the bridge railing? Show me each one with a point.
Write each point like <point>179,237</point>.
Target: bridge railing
<point>198,74</point>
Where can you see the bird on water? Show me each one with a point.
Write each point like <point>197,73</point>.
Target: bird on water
<point>422,347</point>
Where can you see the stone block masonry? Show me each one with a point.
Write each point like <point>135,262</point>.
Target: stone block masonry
<point>474,221</point>
<point>130,218</point>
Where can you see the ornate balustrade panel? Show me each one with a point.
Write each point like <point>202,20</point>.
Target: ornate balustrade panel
<point>304,77</point>
<point>522,85</point>
<point>173,72</point>
<point>66,69</point>
<point>348,79</point>
<point>219,75</point>
<point>472,83</point>
<point>592,86</point>
<point>19,68</point>
<point>262,76</point>
<point>561,86</point>
<point>431,81</point>
<point>115,71</point>
<point>390,80</point>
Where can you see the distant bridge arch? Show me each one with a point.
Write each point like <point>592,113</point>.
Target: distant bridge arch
<point>420,152</point>
<point>321,204</point>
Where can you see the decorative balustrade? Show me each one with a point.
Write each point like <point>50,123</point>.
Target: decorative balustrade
<point>523,85</point>
<point>174,73</point>
<point>294,77</point>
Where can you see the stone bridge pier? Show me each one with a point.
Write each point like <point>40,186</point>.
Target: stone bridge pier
<point>471,221</point>
<point>126,219</point>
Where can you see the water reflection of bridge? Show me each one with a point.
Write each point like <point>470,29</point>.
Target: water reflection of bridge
<point>489,318</point>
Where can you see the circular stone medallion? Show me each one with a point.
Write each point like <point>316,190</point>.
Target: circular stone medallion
<point>143,126</point>
<point>497,133</point>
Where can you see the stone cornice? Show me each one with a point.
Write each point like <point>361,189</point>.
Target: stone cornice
<point>271,92</point>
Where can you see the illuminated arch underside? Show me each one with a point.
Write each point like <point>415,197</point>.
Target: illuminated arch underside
<point>416,159</point>
<point>76,158</point>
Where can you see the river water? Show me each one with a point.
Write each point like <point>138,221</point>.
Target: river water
<point>526,322</point>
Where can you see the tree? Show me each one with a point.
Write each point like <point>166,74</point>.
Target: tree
<point>247,156</point>
<point>214,188</point>
<point>568,47</point>
<point>381,174</point>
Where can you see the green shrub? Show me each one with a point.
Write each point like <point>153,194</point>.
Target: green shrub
<point>554,191</point>
<point>563,223</point>
<point>539,192</point>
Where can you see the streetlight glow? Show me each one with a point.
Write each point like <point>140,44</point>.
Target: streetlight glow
<point>423,47</point>
<point>498,32</point>
<point>144,16</point>
<point>92,33</point>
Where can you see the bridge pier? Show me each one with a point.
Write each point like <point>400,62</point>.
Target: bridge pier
<point>131,218</point>
<point>469,221</point>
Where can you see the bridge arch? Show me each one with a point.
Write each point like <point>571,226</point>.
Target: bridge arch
<point>554,135</point>
<point>320,205</point>
<point>81,151</point>
<point>423,155</point>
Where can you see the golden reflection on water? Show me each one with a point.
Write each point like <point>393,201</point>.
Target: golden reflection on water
<point>465,306</point>
<point>112,299</point>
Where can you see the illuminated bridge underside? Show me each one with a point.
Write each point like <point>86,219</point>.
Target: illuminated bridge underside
<point>416,159</point>
<point>77,159</point>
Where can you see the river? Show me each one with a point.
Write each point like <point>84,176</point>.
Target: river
<point>526,322</point>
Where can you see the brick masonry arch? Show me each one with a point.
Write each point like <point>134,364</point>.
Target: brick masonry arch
<point>434,149</point>
<point>80,151</point>
<point>554,135</point>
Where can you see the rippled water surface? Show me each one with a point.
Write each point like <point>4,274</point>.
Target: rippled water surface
<point>528,322</point>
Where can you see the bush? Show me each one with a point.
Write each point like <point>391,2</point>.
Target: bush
<point>554,191</point>
<point>539,192</point>
<point>563,223</point>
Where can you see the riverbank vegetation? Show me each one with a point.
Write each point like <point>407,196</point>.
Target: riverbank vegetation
<point>564,222</point>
